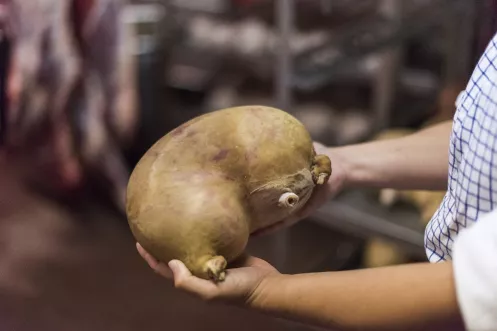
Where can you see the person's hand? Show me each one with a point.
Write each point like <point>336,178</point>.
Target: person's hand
<point>241,285</point>
<point>244,278</point>
<point>320,194</point>
<point>335,183</point>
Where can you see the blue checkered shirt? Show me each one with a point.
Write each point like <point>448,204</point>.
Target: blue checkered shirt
<point>472,182</point>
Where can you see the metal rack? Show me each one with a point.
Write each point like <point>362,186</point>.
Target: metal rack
<point>380,35</point>
<point>358,214</point>
<point>315,67</point>
<point>353,212</point>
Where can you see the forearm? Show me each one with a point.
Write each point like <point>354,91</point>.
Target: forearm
<point>417,296</point>
<point>417,161</point>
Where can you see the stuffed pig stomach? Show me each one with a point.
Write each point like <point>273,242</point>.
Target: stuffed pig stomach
<point>200,191</point>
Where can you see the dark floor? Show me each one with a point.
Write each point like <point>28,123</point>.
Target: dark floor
<point>79,272</point>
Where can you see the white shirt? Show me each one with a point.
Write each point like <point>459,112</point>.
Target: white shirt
<point>464,229</point>
<point>475,270</point>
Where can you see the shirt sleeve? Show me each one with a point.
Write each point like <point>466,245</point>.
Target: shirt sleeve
<point>475,273</point>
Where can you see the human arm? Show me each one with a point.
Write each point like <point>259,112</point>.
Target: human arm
<point>411,297</point>
<point>447,296</point>
<point>417,161</point>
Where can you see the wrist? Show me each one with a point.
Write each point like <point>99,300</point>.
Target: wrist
<point>341,166</point>
<point>264,293</point>
<point>356,166</point>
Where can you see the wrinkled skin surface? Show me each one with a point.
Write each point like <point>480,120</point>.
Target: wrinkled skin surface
<point>200,191</point>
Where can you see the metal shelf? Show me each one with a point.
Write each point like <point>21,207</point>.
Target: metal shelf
<point>357,214</point>
<point>315,67</point>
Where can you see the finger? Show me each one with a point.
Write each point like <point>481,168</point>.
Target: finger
<point>157,266</point>
<point>146,256</point>
<point>319,147</point>
<point>184,280</point>
<point>311,204</point>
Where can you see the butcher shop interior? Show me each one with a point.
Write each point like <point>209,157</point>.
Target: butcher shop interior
<point>88,86</point>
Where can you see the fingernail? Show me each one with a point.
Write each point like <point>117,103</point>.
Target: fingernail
<point>173,264</point>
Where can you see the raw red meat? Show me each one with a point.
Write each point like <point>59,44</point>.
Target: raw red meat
<point>71,94</point>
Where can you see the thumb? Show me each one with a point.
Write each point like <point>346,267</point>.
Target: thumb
<point>180,271</point>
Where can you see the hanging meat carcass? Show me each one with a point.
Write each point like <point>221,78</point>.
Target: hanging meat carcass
<point>71,95</point>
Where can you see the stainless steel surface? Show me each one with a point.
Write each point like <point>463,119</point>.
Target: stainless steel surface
<point>284,17</point>
<point>354,213</point>
<point>284,68</point>
<point>390,59</point>
<point>308,247</point>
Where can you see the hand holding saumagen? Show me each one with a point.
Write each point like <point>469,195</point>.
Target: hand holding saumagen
<point>200,191</point>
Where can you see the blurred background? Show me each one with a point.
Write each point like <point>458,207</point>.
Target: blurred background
<point>87,86</point>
